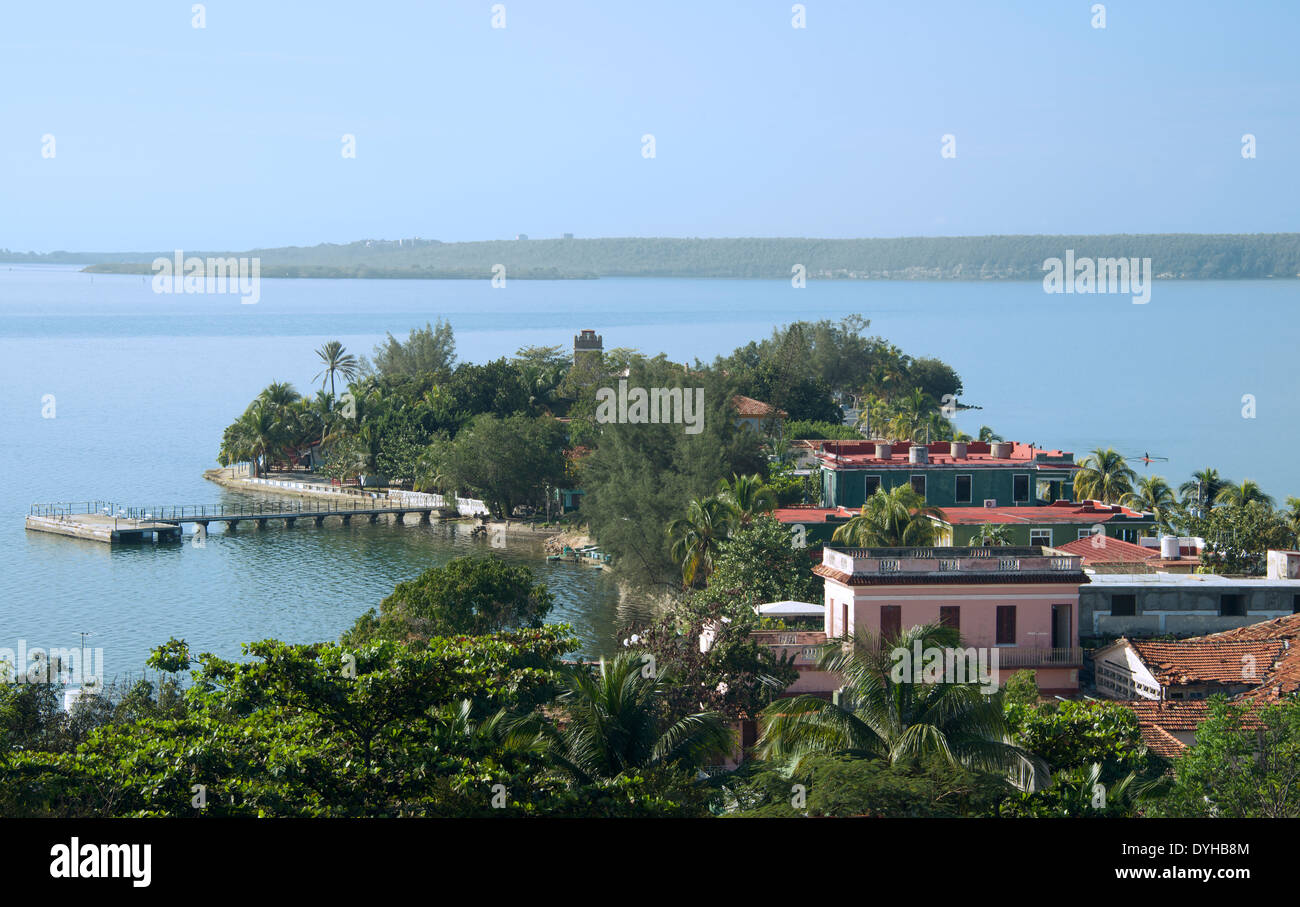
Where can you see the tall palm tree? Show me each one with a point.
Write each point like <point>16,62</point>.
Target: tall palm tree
<point>1202,488</point>
<point>992,534</point>
<point>747,496</point>
<point>612,723</point>
<point>891,519</point>
<point>279,393</point>
<point>1244,493</point>
<point>911,415</point>
<point>1292,515</point>
<point>881,717</point>
<point>988,435</point>
<point>1154,496</point>
<point>338,361</point>
<point>697,535</point>
<point>1104,476</point>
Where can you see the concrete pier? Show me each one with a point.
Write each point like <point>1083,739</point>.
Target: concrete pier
<point>109,529</point>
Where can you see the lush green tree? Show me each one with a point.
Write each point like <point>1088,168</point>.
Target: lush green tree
<point>1245,493</point>
<point>992,534</point>
<point>1202,489</point>
<point>1245,764</point>
<point>467,595</point>
<point>881,717</point>
<point>430,350</point>
<point>613,722</point>
<point>844,786</point>
<point>336,361</point>
<point>698,535</point>
<point>1104,475</point>
<point>759,562</point>
<point>1153,496</point>
<point>895,518</point>
<point>506,462</point>
<point>1239,536</point>
<point>747,497</point>
<point>640,478</point>
<point>1021,689</point>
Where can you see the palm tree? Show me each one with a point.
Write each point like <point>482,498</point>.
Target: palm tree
<point>1153,496</point>
<point>911,415</point>
<point>1244,493</point>
<point>992,534</point>
<point>1105,476</point>
<point>747,496</point>
<point>612,723</point>
<point>893,519</point>
<point>988,435</point>
<point>338,361</point>
<point>279,393</point>
<point>696,537</point>
<point>881,717</point>
<point>1202,488</point>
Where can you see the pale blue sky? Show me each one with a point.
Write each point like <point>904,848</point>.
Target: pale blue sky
<point>229,137</point>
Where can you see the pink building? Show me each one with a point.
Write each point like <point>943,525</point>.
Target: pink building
<point>1022,602</point>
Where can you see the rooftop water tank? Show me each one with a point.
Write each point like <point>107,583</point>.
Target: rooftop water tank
<point>1001,450</point>
<point>1169,547</point>
<point>918,453</point>
<point>883,451</point>
<point>958,450</point>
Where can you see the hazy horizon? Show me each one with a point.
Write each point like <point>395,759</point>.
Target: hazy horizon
<point>135,130</point>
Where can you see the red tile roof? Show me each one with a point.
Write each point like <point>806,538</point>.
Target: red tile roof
<point>859,454</point>
<point>1284,677</point>
<point>1059,512</point>
<point>1104,549</point>
<point>748,407</point>
<point>1159,721</point>
<point>1217,661</point>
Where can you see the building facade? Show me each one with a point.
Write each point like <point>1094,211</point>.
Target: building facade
<point>947,473</point>
<point>1022,602</point>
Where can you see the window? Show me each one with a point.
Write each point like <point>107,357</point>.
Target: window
<point>1232,605</point>
<point>1040,537</point>
<point>891,621</point>
<point>963,490</point>
<point>918,485</point>
<point>1295,604</point>
<point>950,616</point>
<point>1084,533</point>
<point>870,485</point>
<point>1006,625</point>
<point>1123,605</point>
<point>1020,488</point>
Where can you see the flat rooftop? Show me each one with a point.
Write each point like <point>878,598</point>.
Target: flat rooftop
<point>1192,581</point>
<point>979,455</point>
<point>1057,512</point>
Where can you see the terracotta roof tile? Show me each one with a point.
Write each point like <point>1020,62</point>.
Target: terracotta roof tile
<point>1217,661</point>
<point>749,407</point>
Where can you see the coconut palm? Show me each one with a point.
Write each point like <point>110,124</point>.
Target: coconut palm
<point>890,519</point>
<point>882,717</point>
<point>612,723</point>
<point>911,415</point>
<point>747,496</point>
<point>990,534</point>
<point>279,393</point>
<point>1153,496</point>
<point>1244,493</point>
<point>1105,476</point>
<point>697,535</point>
<point>338,361</point>
<point>988,435</point>
<point>1202,488</point>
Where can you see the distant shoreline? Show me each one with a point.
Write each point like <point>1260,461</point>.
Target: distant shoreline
<point>1172,256</point>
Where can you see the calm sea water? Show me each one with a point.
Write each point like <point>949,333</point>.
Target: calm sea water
<point>144,384</point>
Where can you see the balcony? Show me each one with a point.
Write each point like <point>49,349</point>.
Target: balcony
<point>1038,657</point>
<point>803,645</point>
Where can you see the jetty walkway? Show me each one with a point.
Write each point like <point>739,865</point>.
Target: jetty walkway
<point>106,521</point>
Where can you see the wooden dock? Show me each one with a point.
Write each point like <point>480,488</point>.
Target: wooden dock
<point>104,521</point>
